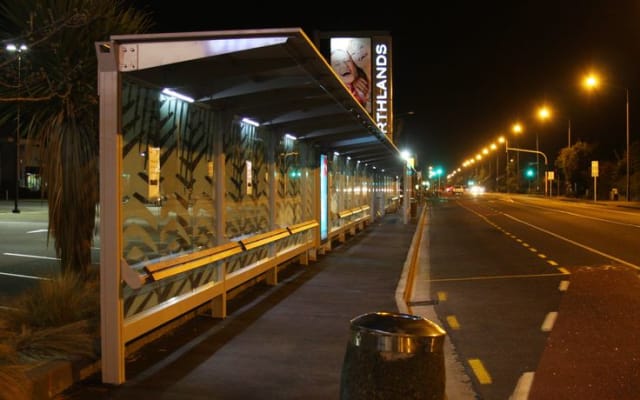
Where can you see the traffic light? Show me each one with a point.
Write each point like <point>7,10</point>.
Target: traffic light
<point>530,173</point>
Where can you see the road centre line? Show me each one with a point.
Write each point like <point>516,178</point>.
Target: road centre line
<point>591,249</point>
<point>584,216</point>
<point>613,258</point>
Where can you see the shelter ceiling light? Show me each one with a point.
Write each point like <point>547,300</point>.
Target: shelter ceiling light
<point>177,95</point>
<point>250,121</point>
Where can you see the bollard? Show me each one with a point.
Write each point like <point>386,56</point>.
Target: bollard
<point>393,356</point>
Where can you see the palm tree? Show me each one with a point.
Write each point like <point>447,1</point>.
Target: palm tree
<point>59,104</point>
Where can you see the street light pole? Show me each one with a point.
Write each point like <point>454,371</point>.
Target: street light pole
<point>537,164</point>
<point>591,81</point>
<point>628,195</point>
<point>19,49</point>
<point>544,113</point>
<point>497,171</point>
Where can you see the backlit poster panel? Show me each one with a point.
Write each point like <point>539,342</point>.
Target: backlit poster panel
<point>351,60</point>
<point>324,195</point>
<point>154,173</point>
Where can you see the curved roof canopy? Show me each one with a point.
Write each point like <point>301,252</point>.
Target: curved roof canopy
<point>276,77</point>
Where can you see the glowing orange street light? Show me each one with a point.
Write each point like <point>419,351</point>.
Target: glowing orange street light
<point>591,81</point>
<point>516,128</point>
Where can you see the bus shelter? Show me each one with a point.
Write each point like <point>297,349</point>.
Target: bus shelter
<point>223,156</point>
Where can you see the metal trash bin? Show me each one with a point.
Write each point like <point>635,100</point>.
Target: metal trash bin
<point>393,356</point>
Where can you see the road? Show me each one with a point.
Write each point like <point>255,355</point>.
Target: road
<point>27,255</point>
<point>498,268</point>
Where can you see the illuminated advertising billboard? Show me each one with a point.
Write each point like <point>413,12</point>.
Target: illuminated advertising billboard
<point>363,62</point>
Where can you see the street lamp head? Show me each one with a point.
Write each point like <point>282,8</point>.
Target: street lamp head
<point>544,113</point>
<point>517,128</point>
<point>591,81</point>
<point>16,47</point>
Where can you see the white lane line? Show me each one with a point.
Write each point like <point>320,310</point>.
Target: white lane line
<point>523,387</point>
<point>573,214</point>
<point>30,256</point>
<point>591,249</point>
<point>38,231</point>
<point>550,319</point>
<point>23,276</point>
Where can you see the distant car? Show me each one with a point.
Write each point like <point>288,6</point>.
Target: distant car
<point>477,190</point>
<point>458,190</point>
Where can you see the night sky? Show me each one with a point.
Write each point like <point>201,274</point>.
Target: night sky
<point>469,69</point>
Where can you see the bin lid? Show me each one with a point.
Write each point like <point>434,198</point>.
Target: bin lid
<point>397,324</point>
<point>388,331</point>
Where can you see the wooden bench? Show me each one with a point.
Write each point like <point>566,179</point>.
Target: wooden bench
<point>176,265</point>
<point>345,213</point>
<point>262,239</point>
<point>303,226</point>
<point>214,292</point>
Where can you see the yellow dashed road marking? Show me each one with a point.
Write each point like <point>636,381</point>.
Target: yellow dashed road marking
<point>552,262</point>
<point>533,249</point>
<point>564,285</point>
<point>542,255</point>
<point>564,271</point>
<point>453,322</point>
<point>478,369</point>
<point>442,296</point>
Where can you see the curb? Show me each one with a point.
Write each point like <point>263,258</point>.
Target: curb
<point>53,377</point>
